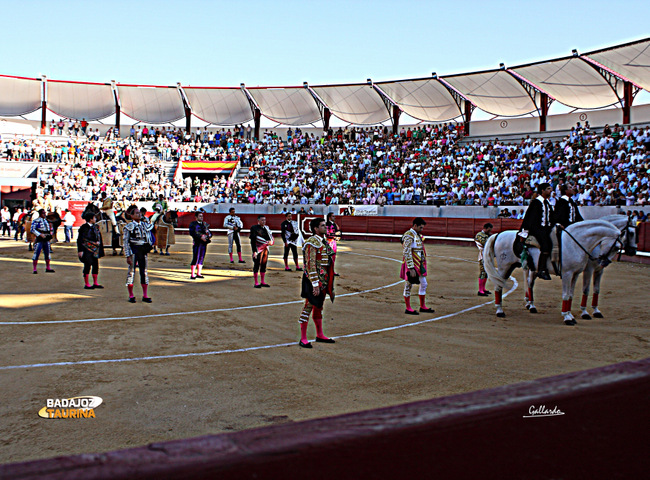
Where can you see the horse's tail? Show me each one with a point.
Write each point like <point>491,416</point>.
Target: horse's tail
<point>488,263</point>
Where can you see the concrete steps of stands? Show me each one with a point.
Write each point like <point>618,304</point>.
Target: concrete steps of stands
<point>242,174</point>
<point>170,167</point>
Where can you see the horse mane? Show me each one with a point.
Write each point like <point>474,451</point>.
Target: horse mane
<point>617,219</point>
<point>590,224</point>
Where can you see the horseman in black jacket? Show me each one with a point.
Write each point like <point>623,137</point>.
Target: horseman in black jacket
<point>566,209</point>
<point>538,221</point>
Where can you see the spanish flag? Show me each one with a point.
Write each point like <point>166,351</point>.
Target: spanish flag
<point>204,166</point>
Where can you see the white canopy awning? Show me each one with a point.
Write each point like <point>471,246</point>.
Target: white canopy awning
<point>425,99</point>
<point>357,104</point>
<point>151,104</point>
<point>19,96</point>
<point>631,60</point>
<point>219,106</point>
<point>288,105</point>
<point>90,101</point>
<point>570,81</point>
<point>495,92</point>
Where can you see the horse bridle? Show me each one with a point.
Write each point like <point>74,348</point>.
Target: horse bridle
<point>603,260</point>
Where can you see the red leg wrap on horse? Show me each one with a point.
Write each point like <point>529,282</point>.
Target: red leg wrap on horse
<point>530,294</point>
<point>583,304</point>
<point>497,297</point>
<point>565,306</point>
<point>594,300</point>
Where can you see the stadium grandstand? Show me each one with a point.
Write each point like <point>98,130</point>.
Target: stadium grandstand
<point>472,146</point>
<point>445,159</point>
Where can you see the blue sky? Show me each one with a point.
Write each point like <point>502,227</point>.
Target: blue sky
<point>285,43</point>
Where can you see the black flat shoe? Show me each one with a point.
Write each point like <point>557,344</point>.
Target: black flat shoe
<point>242,261</point>
<point>257,286</point>
<point>411,312</point>
<point>98,286</point>
<point>49,270</point>
<point>88,287</point>
<point>131,299</point>
<point>488,292</point>
<point>325,340</point>
<point>200,276</point>
<point>483,294</point>
<point>427,310</point>
<point>192,278</point>
<point>35,272</point>
<point>305,345</point>
<point>146,300</point>
<point>266,285</point>
<point>298,269</point>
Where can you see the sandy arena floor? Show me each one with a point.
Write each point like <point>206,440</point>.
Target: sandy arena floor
<point>227,357</point>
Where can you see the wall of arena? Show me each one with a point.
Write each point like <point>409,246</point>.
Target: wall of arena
<point>455,225</point>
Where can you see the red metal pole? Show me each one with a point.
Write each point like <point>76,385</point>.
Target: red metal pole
<point>258,117</point>
<point>468,116</point>
<point>43,105</point>
<point>326,119</point>
<point>627,101</point>
<point>396,113</point>
<point>544,112</point>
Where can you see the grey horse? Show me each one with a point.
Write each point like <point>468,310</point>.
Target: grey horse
<point>577,241</point>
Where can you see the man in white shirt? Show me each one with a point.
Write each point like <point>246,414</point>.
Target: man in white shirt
<point>68,223</point>
<point>5,216</point>
<point>234,225</point>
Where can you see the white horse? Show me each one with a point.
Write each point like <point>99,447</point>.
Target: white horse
<point>577,241</point>
<point>595,269</point>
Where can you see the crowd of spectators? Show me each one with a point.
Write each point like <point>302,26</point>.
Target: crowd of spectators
<point>425,164</point>
<point>428,165</point>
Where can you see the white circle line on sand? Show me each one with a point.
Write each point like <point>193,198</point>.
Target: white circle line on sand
<point>262,347</point>
<point>213,310</point>
<point>249,349</point>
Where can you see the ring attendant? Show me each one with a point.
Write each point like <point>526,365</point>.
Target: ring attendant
<point>90,249</point>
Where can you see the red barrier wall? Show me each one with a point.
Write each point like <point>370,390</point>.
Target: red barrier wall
<point>644,237</point>
<point>435,227</point>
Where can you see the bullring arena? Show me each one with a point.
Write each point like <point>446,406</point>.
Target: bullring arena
<point>209,381</point>
<point>216,355</point>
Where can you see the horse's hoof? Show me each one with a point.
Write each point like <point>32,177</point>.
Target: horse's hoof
<point>586,316</point>
<point>501,314</point>
<point>598,315</point>
<point>533,310</point>
<point>168,254</point>
<point>527,307</point>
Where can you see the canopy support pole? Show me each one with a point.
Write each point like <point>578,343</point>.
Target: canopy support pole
<point>543,111</point>
<point>118,108</point>
<point>257,117</point>
<point>465,106</point>
<point>469,108</point>
<point>391,105</point>
<point>43,104</point>
<point>396,114</point>
<point>628,98</point>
